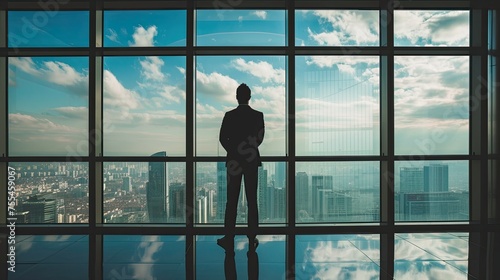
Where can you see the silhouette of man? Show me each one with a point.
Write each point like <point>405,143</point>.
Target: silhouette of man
<point>241,133</point>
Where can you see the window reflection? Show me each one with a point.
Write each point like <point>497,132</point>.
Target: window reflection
<point>48,257</point>
<point>337,257</point>
<point>143,257</point>
<point>431,255</point>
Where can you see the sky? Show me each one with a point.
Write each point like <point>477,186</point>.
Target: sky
<point>144,98</point>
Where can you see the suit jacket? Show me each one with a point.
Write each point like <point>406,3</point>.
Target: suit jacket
<point>241,133</point>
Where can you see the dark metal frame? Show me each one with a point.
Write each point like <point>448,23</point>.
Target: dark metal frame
<point>482,227</point>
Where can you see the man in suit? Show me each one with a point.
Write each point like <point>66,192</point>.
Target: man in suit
<point>241,133</point>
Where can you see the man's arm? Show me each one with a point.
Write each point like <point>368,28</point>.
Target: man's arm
<point>261,130</point>
<point>223,134</point>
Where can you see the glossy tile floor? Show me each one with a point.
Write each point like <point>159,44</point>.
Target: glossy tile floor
<point>417,256</point>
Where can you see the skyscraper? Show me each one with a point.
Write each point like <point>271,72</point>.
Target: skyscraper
<point>157,190</point>
<point>279,175</point>
<point>436,178</point>
<point>303,201</point>
<point>221,191</point>
<point>263,195</point>
<point>411,180</point>
<point>40,210</point>
<point>176,202</point>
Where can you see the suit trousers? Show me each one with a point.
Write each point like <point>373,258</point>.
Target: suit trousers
<point>234,178</point>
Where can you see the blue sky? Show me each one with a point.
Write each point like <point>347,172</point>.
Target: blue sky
<point>144,97</point>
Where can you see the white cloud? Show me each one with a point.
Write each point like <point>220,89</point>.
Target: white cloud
<point>172,93</point>
<point>347,27</point>
<point>117,95</point>
<point>73,112</point>
<point>62,74</point>
<point>260,14</point>
<point>55,72</point>
<point>23,122</point>
<point>113,36</point>
<point>182,70</point>
<point>432,27</point>
<point>151,68</point>
<point>262,70</point>
<point>26,64</point>
<point>144,37</point>
<point>217,85</point>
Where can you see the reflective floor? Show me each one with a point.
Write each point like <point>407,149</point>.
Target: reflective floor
<point>417,256</point>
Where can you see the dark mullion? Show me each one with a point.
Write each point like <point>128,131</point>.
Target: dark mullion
<point>483,26</point>
<point>4,231</point>
<point>49,6</point>
<point>190,119</point>
<point>387,213</point>
<point>95,268</point>
<point>291,144</point>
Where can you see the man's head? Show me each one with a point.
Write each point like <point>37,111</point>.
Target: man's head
<point>243,94</point>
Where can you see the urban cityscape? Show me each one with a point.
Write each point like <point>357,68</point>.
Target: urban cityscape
<point>155,192</point>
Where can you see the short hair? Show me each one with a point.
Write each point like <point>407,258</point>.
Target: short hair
<point>243,93</point>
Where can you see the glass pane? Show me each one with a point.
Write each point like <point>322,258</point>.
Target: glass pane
<point>337,192</point>
<point>431,28</point>
<point>211,193</point>
<point>144,192</point>
<point>431,105</point>
<point>337,105</point>
<point>48,106</point>
<point>144,257</point>
<point>144,28</point>
<point>51,192</point>
<point>48,257</point>
<point>337,28</point>
<point>240,27</point>
<point>431,256</point>
<point>268,261</point>
<point>216,81</point>
<point>144,105</point>
<point>48,28</point>
<point>431,191</point>
<point>337,256</point>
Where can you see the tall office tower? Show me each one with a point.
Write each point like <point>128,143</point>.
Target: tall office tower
<point>280,175</point>
<point>436,178</point>
<point>177,198</point>
<point>221,191</point>
<point>303,194</point>
<point>411,180</point>
<point>316,187</point>
<point>157,190</point>
<point>202,209</point>
<point>279,204</point>
<point>263,195</point>
<point>126,184</point>
<point>211,204</point>
<point>40,210</point>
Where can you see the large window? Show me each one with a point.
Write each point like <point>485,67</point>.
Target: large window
<point>380,151</point>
